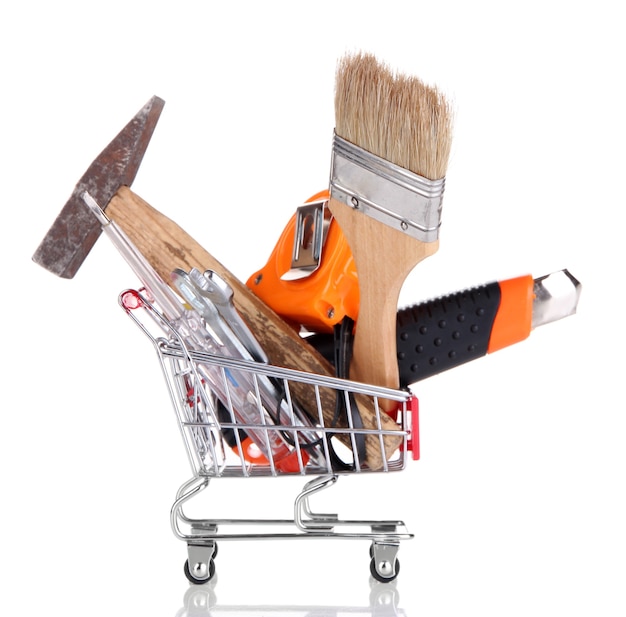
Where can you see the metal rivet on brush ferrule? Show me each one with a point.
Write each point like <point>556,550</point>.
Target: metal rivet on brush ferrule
<point>387,192</point>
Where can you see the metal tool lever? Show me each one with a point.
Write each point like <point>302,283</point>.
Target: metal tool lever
<point>208,311</point>
<point>201,291</point>
<point>211,286</point>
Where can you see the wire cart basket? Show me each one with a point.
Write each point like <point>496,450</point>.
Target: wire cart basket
<point>244,418</point>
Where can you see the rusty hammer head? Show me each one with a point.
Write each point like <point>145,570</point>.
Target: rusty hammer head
<point>75,230</point>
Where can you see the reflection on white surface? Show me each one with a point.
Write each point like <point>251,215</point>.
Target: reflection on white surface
<point>202,601</point>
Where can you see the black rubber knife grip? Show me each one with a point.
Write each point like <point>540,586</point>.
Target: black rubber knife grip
<point>446,332</point>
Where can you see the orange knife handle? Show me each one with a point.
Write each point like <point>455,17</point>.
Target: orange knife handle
<point>446,332</point>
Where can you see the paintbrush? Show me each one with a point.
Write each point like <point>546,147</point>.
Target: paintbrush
<point>389,158</point>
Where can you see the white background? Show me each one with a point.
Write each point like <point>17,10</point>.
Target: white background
<point>517,503</point>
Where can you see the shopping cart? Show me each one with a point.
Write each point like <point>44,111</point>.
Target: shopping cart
<point>244,418</point>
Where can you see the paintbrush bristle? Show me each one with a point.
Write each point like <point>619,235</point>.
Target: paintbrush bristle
<point>396,117</point>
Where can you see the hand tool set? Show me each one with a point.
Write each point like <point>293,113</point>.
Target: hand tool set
<point>306,368</point>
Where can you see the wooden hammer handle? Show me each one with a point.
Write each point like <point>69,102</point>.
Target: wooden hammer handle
<point>166,246</point>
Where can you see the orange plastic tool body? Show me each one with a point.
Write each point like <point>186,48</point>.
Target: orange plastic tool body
<point>320,300</point>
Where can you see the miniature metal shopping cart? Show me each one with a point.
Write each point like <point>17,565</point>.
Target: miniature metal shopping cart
<point>242,418</point>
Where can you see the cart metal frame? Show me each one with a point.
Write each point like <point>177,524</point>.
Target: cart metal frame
<point>312,442</point>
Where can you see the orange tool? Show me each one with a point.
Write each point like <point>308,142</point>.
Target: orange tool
<point>310,279</point>
<point>432,336</point>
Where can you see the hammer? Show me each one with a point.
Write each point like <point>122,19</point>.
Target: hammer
<point>166,247</point>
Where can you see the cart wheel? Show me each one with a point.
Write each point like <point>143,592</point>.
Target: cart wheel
<point>383,571</point>
<point>200,581</point>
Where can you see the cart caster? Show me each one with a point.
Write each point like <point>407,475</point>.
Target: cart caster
<point>385,565</point>
<point>383,571</point>
<point>199,569</point>
<point>200,565</point>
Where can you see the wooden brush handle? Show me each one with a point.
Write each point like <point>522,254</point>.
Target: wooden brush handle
<point>166,246</point>
<point>383,257</point>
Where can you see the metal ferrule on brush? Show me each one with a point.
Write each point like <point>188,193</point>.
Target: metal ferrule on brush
<point>387,192</point>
